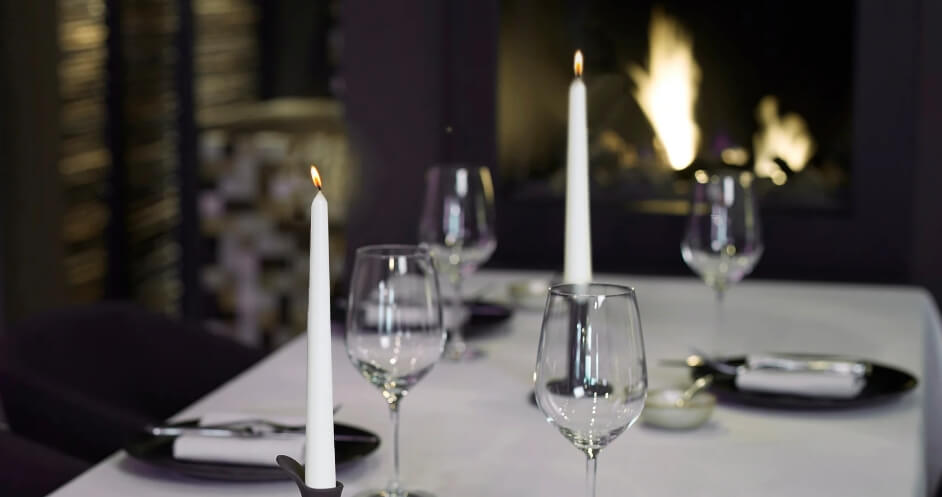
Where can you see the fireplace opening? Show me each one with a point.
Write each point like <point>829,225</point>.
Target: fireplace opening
<point>675,87</point>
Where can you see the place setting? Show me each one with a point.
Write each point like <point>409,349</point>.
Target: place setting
<point>239,446</point>
<point>243,447</point>
<point>722,244</point>
<point>394,334</point>
<point>397,322</point>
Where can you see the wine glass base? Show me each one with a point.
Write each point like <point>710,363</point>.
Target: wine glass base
<point>401,493</point>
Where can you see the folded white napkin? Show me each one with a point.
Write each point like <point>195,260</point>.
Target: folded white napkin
<point>259,451</point>
<point>805,376</point>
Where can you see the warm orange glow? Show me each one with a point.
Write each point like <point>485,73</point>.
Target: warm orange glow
<point>735,156</point>
<point>667,89</point>
<point>784,137</point>
<point>577,63</point>
<point>316,177</point>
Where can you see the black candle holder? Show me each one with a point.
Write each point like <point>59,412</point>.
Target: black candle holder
<point>296,470</point>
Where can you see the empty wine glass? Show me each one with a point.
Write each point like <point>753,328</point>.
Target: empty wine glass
<point>458,227</point>
<point>591,376</point>
<point>723,241</point>
<point>394,327</point>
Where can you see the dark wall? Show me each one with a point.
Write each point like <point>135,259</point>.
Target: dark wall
<point>411,70</point>
<point>927,262</point>
<point>293,48</point>
<point>393,100</point>
<point>30,195</point>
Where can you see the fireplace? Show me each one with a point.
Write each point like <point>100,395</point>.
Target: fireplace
<point>801,94</point>
<point>679,86</point>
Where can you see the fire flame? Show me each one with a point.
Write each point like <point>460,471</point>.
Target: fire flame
<point>667,92</point>
<point>316,177</point>
<point>786,138</point>
<point>577,63</point>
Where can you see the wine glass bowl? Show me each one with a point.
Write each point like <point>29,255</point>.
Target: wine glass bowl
<point>394,332</point>
<point>569,405</point>
<point>393,321</point>
<point>723,239</point>
<point>458,227</point>
<point>591,375</point>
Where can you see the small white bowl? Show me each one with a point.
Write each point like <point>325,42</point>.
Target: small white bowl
<point>661,409</point>
<point>529,293</point>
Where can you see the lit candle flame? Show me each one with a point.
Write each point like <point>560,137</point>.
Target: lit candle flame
<point>577,64</point>
<point>316,177</point>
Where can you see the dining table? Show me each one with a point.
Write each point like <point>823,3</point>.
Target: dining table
<point>469,428</point>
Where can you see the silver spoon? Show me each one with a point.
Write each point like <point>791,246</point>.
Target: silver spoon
<point>688,394</point>
<point>718,366</point>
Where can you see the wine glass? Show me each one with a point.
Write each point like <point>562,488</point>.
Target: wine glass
<point>723,241</point>
<point>458,227</point>
<point>394,327</point>
<point>591,376</point>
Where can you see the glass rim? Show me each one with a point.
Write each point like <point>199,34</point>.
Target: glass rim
<point>392,250</point>
<point>586,290</point>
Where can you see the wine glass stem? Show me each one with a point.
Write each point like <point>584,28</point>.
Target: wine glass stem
<point>458,331</point>
<point>718,323</point>
<point>394,487</point>
<point>591,467</point>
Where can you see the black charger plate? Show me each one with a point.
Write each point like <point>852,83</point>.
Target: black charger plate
<point>158,451</point>
<point>884,383</point>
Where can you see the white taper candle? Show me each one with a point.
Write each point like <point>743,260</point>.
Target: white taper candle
<point>577,264</point>
<point>320,471</point>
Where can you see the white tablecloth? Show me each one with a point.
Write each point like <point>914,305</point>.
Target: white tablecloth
<point>468,429</point>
